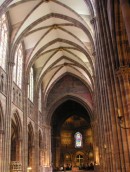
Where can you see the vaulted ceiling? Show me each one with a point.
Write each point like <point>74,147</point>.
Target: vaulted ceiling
<point>58,38</point>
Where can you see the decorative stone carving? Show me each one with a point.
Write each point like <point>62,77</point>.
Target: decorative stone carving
<point>93,20</point>
<point>15,166</point>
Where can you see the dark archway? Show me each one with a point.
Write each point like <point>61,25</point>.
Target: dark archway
<point>30,146</point>
<point>16,131</point>
<point>69,118</point>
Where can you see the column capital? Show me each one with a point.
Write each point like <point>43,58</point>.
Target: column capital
<point>94,53</point>
<point>93,20</point>
<point>11,63</point>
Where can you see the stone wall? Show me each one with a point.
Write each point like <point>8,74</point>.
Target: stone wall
<point>69,85</point>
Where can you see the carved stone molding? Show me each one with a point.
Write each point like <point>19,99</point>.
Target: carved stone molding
<point>11,63</point>
<point>15,166</point>
<point>55,26</point>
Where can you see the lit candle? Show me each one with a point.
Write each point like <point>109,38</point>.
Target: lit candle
<point>105,146</point>
<point>119,113</point>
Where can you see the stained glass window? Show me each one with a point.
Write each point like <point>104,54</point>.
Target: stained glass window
<point>18,67</point>
<point>78,140</point>
<point>3,41</point>
<point>31,85</point>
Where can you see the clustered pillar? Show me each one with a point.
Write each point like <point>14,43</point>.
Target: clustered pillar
<point>112,94</point>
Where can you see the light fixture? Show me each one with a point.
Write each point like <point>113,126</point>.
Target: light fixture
<point>121,120</point>
<point>29,168</point>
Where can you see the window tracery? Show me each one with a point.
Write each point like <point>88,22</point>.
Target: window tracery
<point>18,67</point>
<point>78,140</point>
<point>3,41</point>
<point>31,85</point>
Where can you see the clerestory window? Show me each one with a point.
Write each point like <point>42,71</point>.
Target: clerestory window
<point>3,41</point>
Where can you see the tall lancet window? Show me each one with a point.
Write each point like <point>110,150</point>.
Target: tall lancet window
<point>18,66</point>
<point>3,41</point>
<point>78,140</point>
<point>31,85</point>
<point>40,99</point>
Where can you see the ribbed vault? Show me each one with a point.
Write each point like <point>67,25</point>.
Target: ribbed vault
<point>58,38</point>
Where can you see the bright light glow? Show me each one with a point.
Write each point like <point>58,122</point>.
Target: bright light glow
<point>97,156</point>
<point>29,168</point>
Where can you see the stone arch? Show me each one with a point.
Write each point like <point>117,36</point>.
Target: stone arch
<point>76,98</point>
<point>64,124</point>
<point>91,7</point>
<point>75,157</point>
<point>16,137</point>
<point>7,2</point>
<point>46,17</point>
<point>31,62</point>
<point>16,118</point>
<point>60,78</point>
<point>89,83</point>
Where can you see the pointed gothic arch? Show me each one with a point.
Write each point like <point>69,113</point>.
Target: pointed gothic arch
<point>16,137</point>
<point>64,98</point>
<point>60,77</point>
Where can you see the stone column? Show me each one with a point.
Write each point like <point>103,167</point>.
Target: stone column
<point>25,117</point>
<point>59,161</point>
<point>1,149</point>
<point>36,134</point>
<point>48,157</point>
<point>7,147</point>
<point>125,6</point>
<point>124,109</point>
<point>106,93</point>
<point>41,155</point>
<point>33,159</point>
<point>49,147</point>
